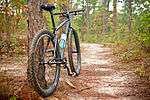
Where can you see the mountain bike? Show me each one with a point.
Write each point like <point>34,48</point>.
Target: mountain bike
<point>47,53</point>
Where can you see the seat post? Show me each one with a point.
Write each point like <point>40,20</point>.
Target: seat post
<point>52,18</point>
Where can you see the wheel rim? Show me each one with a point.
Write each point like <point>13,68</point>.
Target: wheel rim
<point>75,59</point>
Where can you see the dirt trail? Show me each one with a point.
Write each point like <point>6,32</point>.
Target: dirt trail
<point>101,78</point>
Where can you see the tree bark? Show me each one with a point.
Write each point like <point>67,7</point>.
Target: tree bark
<point>105,4</point>
<point>36,22</point>
<point>85,24</point>
<point>130,15</point>
<point>114,16</point>
<point>35,19</point>
<point>64,5</point>
<point>7,27</point>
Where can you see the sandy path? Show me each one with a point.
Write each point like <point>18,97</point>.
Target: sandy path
<point>101,78</point>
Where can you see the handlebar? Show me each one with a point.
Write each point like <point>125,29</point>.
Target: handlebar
<point>75,12</point>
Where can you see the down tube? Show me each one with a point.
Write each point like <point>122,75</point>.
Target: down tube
<point>55,32</point>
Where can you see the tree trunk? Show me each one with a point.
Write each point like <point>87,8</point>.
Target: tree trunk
<point>105,4</point>
<point>130,15</point>
<point>85,24</point>
<point>64,5</point>
<point>7,28</point>
<point>35,23</point>
<point>114,15</point>
<point>87,14</point>
<point>35,19</point>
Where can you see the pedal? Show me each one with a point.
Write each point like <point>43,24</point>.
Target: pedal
<point>68,70</point>
<point>74,74</point>
<point>69,73</point>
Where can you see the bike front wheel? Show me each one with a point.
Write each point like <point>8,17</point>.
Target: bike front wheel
<point>74,54</point>
<point>42,74</point>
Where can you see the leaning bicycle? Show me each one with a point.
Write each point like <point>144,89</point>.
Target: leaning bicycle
<point>47,53</point>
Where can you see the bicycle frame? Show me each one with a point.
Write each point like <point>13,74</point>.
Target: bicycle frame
<point>65,23</point>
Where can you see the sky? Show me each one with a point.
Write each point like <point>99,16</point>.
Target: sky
<point>119,5</point>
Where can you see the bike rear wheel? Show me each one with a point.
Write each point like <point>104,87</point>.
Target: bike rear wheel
<point>43,75</point>
<point>74,54</point>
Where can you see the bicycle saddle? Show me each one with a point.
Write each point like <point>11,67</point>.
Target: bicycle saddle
<point>47,7</point>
